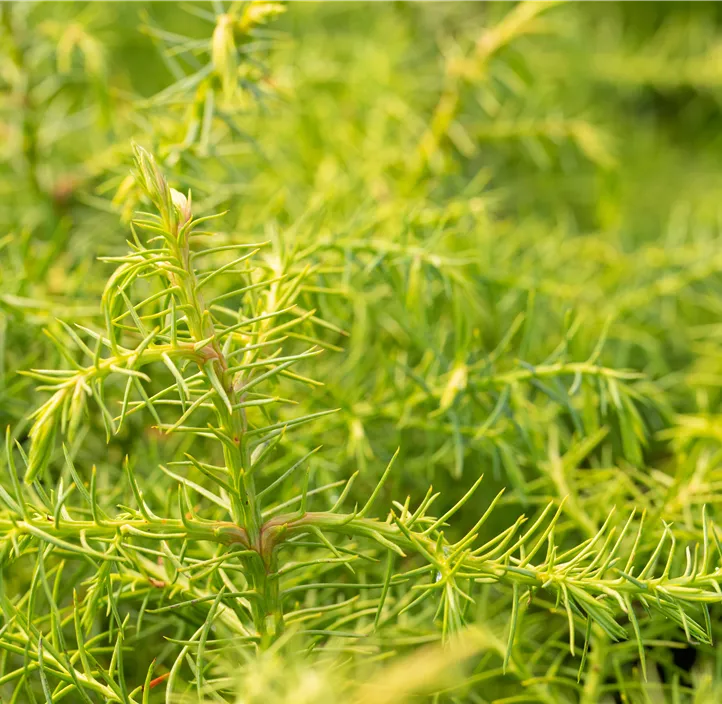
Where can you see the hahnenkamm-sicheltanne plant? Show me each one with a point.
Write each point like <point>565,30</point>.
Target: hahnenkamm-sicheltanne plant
<point>487,234</point>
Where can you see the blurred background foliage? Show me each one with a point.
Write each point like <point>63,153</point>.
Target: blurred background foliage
<point>512,216</point>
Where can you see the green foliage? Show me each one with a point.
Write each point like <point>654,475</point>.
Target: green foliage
<point>397,377</point>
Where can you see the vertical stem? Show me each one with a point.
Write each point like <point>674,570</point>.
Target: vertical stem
<point>267,612</point>
<point>595,668</point>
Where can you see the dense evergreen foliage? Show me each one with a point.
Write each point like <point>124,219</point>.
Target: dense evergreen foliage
<point>360,352</point>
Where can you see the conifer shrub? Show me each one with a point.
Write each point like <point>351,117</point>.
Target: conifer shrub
<point>359,353</point>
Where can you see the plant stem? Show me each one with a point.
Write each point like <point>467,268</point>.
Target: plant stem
<point>595,668</point>
<point>267,611</point>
